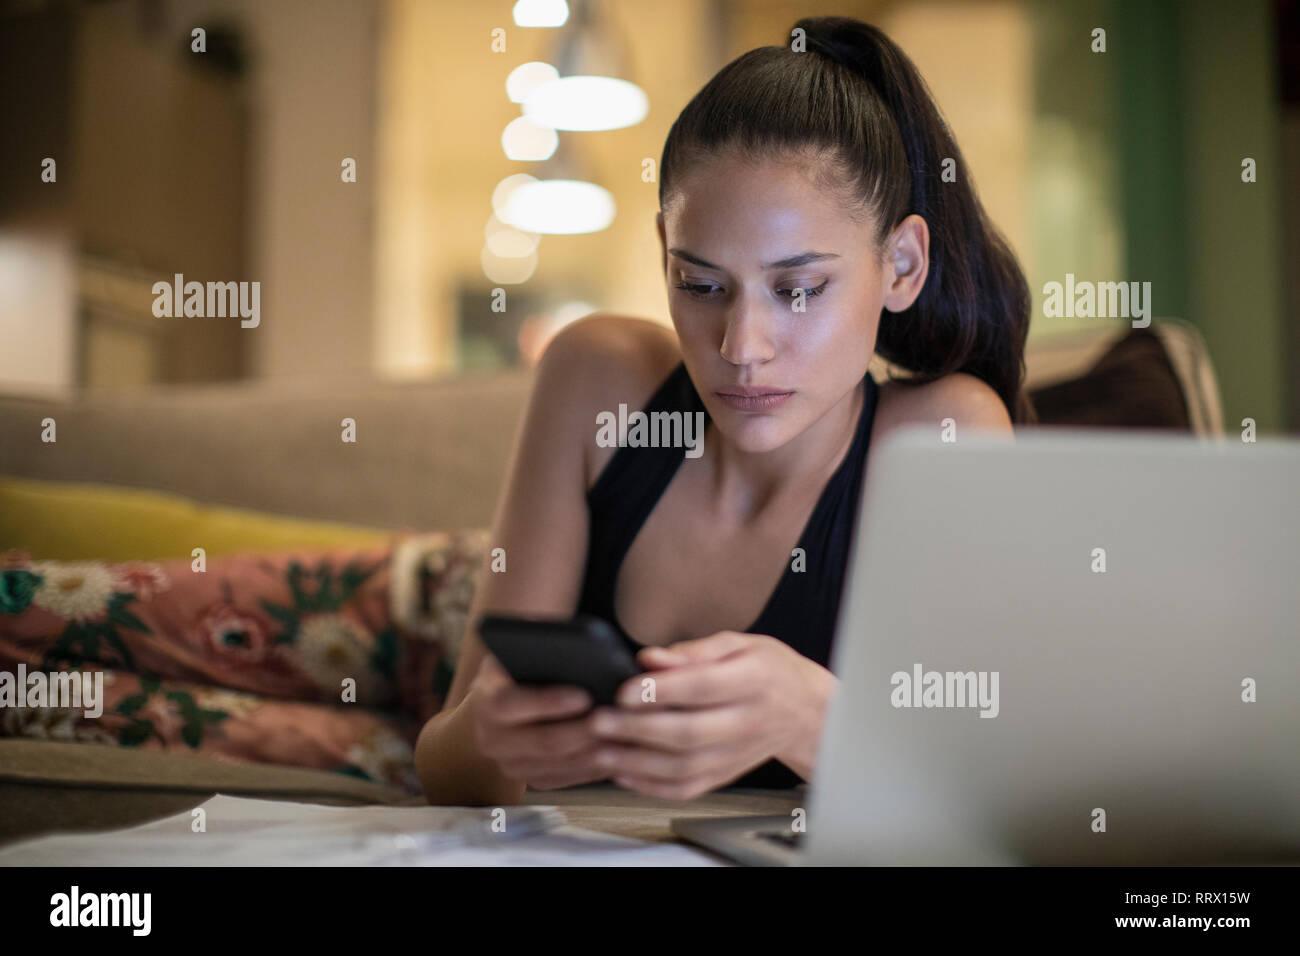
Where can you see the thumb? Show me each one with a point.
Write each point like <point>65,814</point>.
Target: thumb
<point>659,658</point>
<point>712,648</point>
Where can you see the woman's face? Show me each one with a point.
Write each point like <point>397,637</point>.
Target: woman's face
<point>739,239</point>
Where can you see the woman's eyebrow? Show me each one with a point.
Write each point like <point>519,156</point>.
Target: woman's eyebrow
<point>790,262</point>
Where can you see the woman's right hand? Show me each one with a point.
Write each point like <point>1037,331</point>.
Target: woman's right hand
<point>536,735</point>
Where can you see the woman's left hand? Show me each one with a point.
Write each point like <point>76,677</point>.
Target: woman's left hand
<point>711,709</point>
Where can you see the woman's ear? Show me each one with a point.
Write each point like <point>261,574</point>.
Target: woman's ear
<point>907,263</point>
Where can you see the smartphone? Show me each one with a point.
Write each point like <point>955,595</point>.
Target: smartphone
<point>583,651</point>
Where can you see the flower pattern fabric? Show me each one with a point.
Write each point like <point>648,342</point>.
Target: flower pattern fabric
<point>292,659</point>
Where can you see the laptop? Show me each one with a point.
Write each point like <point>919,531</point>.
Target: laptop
<point>1081,647</point>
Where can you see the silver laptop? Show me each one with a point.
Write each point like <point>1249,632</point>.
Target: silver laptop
<point>1082,647</point>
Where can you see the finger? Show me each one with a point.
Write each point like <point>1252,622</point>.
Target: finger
<point>491,674</point>
<point>715,647</point>
<point>620,760</point>
<point>548,741</point>
<point>712,648</point>
<point>671,730</point>
<point>669,790</point>
<point>728,767</point>
<point>711,684</point>
<point>555,781</point>
<point>513,705</point>
<point>549,774</point>
<point>655,658</point>
<point>639,690</point>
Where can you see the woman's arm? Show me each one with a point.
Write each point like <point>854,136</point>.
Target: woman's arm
<point>542,524</point>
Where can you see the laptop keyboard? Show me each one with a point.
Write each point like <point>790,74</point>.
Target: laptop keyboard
<point>791,839</point>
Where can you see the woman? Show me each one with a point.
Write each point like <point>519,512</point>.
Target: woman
<point>814,209</point>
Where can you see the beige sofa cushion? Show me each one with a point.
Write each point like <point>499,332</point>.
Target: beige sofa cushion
<point>429,456</point>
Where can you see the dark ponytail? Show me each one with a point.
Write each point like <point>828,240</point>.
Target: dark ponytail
<point>856,97</point>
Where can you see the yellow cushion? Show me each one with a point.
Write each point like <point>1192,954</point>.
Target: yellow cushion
<point>72,521</point>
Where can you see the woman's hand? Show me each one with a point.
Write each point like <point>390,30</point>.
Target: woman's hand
<point>721,706</point>
<point>538,735</point>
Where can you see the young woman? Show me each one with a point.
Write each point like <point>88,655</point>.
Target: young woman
<point>814,209</point>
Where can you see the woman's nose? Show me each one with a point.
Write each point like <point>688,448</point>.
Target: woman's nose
<point>747,338</point>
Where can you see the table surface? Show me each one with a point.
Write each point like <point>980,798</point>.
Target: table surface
<point>611,809</point>
<point>48,786</point>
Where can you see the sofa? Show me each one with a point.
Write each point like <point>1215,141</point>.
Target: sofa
<point>260,474</point>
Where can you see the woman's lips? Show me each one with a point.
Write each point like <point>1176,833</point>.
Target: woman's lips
<point>748,398</point>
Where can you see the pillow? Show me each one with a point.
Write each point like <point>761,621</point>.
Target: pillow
<point>141,712</point>
<point>432,585</point>
<point>296,659</point>
<point>73,521</point>
<point>307,626</point>
<point>292,627</point>
<point>1133,385</point>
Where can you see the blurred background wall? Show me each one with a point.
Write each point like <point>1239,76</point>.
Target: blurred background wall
<point>225,166</point>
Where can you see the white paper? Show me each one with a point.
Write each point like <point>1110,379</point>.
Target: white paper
<point>241,831</point>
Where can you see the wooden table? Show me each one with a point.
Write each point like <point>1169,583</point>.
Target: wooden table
<point>611,809</point>
<point>65,787</point>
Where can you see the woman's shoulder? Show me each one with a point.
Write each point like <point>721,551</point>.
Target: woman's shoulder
<point>964,398</point>
<point>621,345</point>
<point>613,358</point>
<point>599,362</point>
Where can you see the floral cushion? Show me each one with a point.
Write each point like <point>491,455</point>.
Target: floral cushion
<point>231,725</point>
<point>293,659</point>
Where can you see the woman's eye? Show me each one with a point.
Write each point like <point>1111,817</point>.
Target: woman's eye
<point>697,290</point>
<point>706,290</point>
<point>810,293</point>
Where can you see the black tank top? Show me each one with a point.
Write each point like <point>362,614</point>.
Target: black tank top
<point>801,611</point>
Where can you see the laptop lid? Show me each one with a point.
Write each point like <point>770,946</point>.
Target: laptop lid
<point>1078,648</point>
